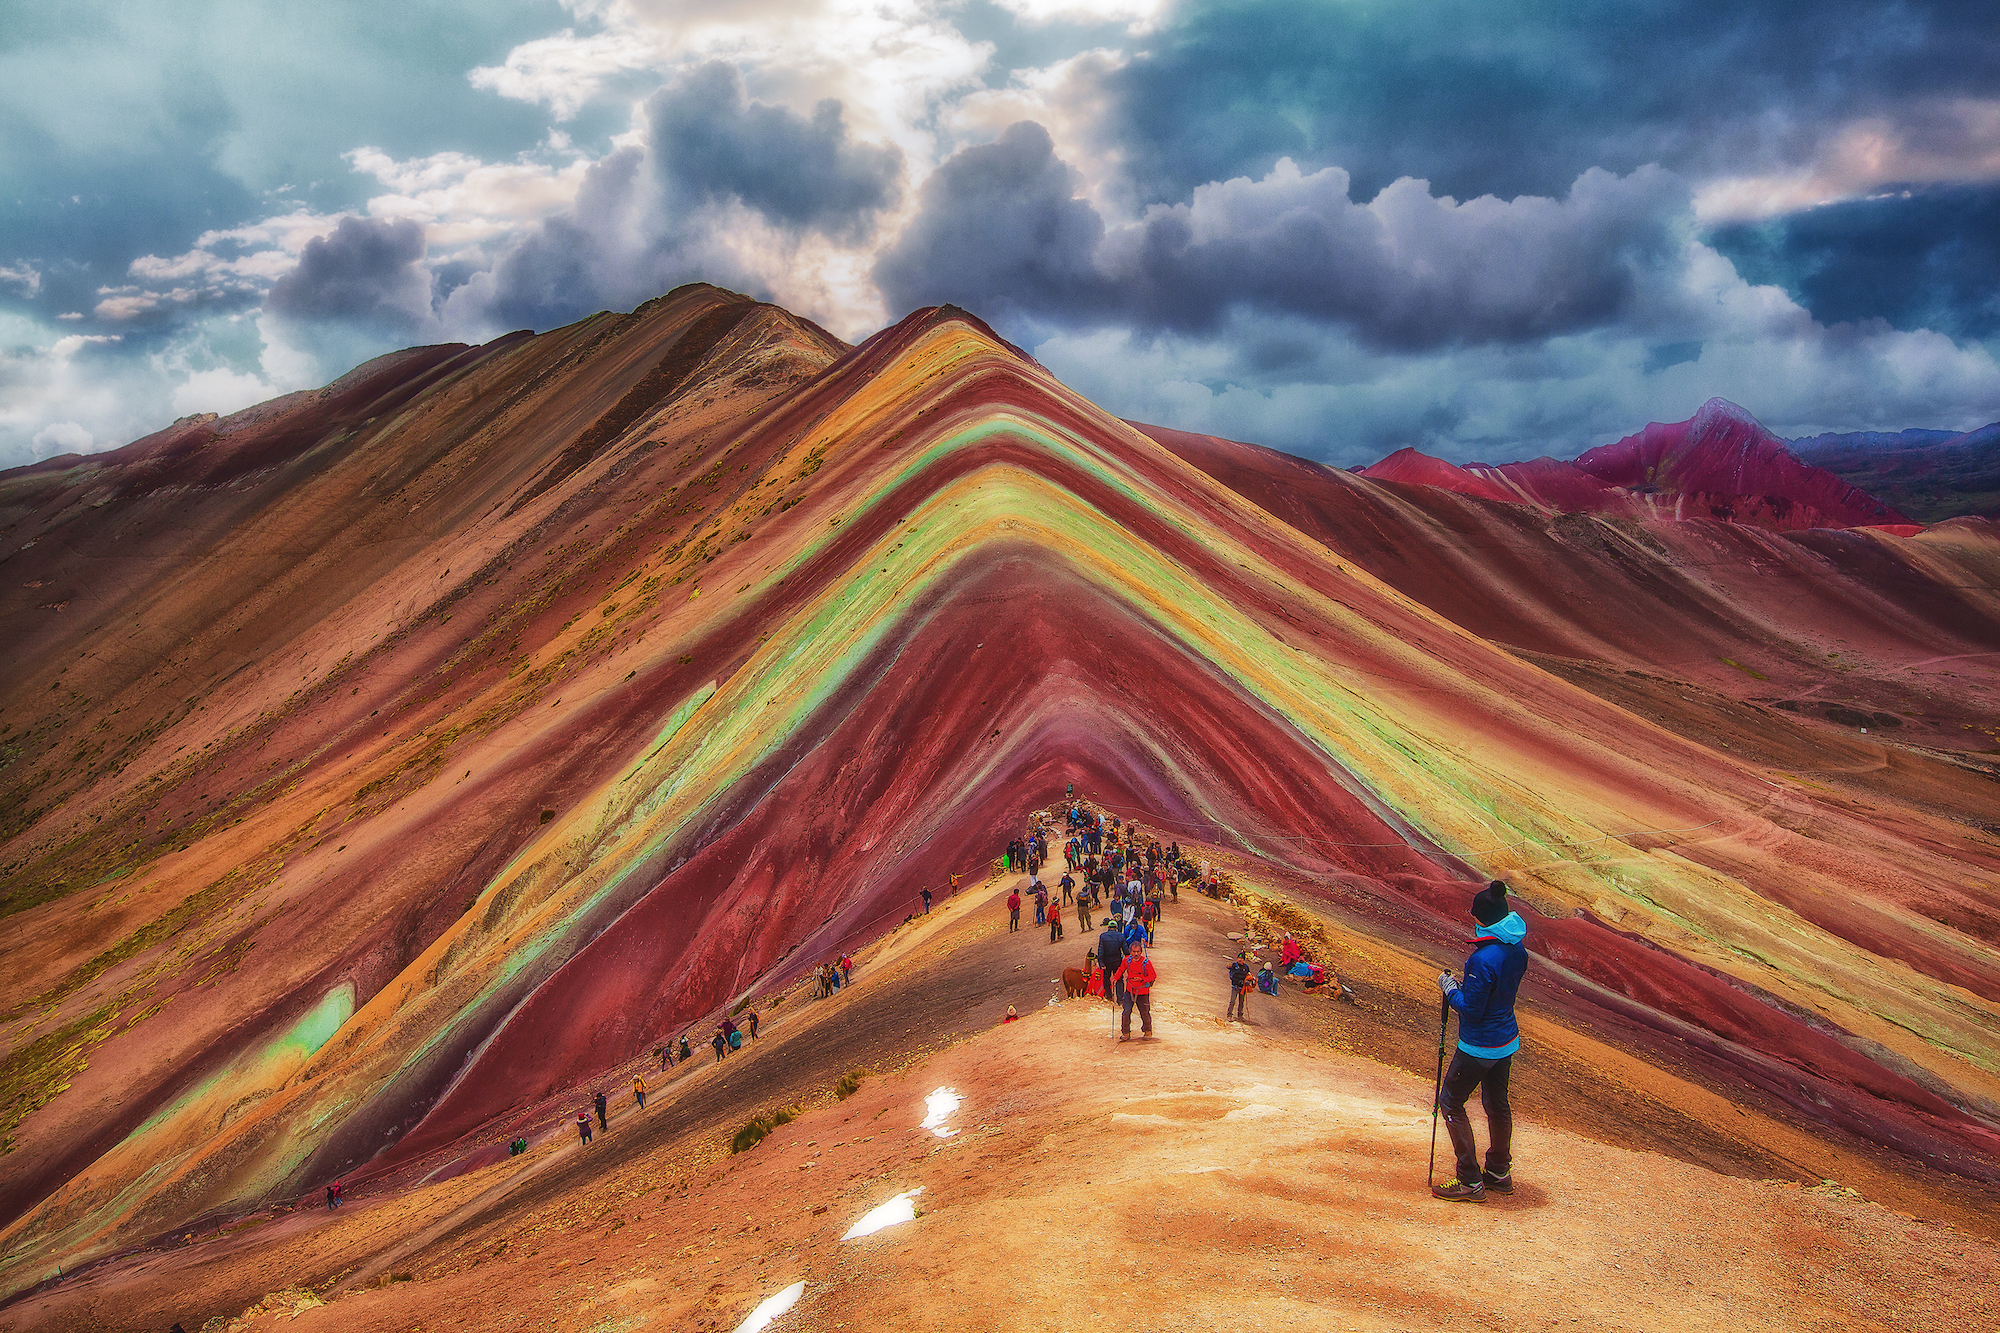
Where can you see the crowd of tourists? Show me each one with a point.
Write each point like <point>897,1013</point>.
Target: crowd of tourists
<point>1119,882</point>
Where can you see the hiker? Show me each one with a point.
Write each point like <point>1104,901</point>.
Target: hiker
<point>1055,924</point>
<point>1083,911</point>
<point>927,902</point>
<point>1068,882</point>
<point>583,1126</point>
<point>1239,991</point>
<point>639,1091</point>
<point>686,1050</point>
<point>1013,910</point>
<point>332,1197</point>
<point>603,1121</point>
<point>1110,954</point>
<point>665,1055</point>
<point>1135,978</point>
<point>735,1038</point>
<point>518,1146</point>
<point>753,1024</point>
<point>1011,1017</point>
<point>720,1043</point>
<point>1488,1037</point>
<point>846,968</point>
<point>1041,902</point>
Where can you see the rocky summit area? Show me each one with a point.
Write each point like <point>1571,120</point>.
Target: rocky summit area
<point>387,769</point>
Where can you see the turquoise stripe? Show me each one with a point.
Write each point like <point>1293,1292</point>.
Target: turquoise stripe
<point>1490,1052</point>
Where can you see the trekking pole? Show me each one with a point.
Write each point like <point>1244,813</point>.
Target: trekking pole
<point>1437,1090</point>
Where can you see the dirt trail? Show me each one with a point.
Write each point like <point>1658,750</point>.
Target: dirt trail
<point>1221,1175</point>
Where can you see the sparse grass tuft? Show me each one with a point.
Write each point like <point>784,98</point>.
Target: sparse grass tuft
<point>848,1083</point>
<point>754,1132</point>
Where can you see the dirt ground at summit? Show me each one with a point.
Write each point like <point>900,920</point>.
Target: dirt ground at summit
<point>1220,1175</point>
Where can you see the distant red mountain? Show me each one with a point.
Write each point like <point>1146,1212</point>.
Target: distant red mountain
<point>1720,464</point>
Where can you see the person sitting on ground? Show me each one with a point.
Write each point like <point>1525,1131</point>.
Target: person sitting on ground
<point>1488,1038</point>
<point>1288,951</point>
<point>1267,980</point>
<point>1011,1017</point>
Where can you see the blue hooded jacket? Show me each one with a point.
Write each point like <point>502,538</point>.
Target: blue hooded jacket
<point>1485,1003</point>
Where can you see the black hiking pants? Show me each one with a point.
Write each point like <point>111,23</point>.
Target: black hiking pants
<point>1490,1077</point>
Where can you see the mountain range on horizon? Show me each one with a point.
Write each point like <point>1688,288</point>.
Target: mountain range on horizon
<point>1722,464</point>
<point>383,765</point>
<point>1719,464</point>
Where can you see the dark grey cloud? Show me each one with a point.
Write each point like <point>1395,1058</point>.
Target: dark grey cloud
<point>649,217</point>
<point>1002,230</point>
<point>714,144</point>
<point>367,270</point>
<point>1511,97</point>
<point>1930,259</point>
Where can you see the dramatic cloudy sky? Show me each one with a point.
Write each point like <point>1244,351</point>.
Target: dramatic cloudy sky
<point>1489,228</point>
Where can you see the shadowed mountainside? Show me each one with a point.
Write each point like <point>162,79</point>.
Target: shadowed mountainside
<point>382,760</point>
<point>1931,475</point>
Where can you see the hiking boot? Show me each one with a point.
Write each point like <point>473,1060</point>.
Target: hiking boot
<point>1457,1193</point>
<point>1498,1184</point>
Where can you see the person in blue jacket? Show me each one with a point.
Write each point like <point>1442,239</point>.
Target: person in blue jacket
<point>1488,1036</point>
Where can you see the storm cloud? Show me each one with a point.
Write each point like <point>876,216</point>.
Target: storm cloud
<point>1918,259</point>
<point>1512,97</point>
<point>367,270</point>
<point>672,209</point>
<point>1481,226</point>
<point>1001,228</point>
<point>714,145</point>
<point>1001,231</point>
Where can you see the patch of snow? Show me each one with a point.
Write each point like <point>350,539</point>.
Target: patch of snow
<point>771,1307</point>
<point>940,1107</point>
<point>893,1213</point>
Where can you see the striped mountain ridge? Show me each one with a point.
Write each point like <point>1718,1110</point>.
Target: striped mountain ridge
<point>397,757</point>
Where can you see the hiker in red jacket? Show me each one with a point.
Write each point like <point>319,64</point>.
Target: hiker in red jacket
<point>1014,910</point>
<point>1137,975</point>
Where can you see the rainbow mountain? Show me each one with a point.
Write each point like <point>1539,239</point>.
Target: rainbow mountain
<point>387,759</point>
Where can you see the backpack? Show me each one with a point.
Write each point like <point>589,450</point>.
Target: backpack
<point>735,1041</point>
<point>1239,973</point>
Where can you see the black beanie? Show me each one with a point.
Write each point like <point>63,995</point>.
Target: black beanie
<point>1490,904</point>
